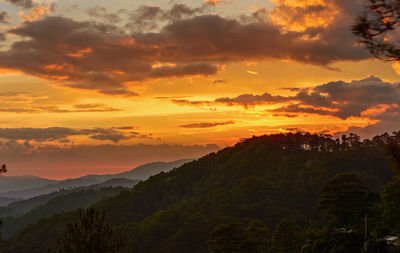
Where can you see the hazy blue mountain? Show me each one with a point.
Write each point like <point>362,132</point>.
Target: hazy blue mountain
<point>20,207</point>
<point>139,173</point>
<point>66,184</point>
<point>145,171</point>
<point>18,183</point>
<point>5,201</point>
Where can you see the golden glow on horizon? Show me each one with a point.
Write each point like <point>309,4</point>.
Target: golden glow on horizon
<point>187,84</point>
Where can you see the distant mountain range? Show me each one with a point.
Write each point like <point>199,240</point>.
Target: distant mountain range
<point>24,187</point>
<point>19,183</point>
<point>5,201</point>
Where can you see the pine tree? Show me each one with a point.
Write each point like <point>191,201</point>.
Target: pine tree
<point>375,26</point>
<point>3,169</point>
<point>90,234</point>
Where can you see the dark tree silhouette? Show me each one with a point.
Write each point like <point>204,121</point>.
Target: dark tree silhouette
<point>3,168</point>
<point>344,200</point>
<point>390,201</point>
<point>225,238</point>
<point>377,25</point>
<point>90,234</point>
<point>287,237</point>
<point>394,153</point>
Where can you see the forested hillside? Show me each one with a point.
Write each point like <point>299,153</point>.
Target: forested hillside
<point>247,198</point>
<point>67,201</point>
<point>20,207</point>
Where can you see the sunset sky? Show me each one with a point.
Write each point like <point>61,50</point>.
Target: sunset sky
<point>103,86</point>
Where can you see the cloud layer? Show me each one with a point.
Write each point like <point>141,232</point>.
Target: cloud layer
<point>27,4</point>
<point>62,134</point>
<point>370,98</point>
<point>177,42</point>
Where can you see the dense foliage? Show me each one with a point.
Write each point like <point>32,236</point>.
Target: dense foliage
<point>271,193</point>
<point>67,201</point>
<point>18,208</point>
<point>91,233</point>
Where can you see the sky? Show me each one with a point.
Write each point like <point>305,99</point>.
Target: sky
<point>94,87</point>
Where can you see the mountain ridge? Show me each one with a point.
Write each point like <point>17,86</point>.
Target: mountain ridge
<point>141,172</point>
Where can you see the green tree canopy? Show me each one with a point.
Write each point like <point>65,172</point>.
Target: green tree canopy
<point>257,238</point>
<point>344,200</point>
<point>226,238</point>
<point>390,199</point>
<point>287,237</point>
<point>90,234</point>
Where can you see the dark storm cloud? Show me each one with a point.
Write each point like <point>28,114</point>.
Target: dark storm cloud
<point>115,137</point>
<point>349,98</point>
<point>89,55</point>
<point>104,57</point>
<point>245,100</point>
<point>369,98</point>
<point>36,134</point>
<point>207,124</point>
<point>219,39</point>
<point>148,18</point>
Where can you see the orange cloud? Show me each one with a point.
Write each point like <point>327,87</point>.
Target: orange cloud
<point>8,71</point>
<point>213,2</point>
<point>298,15</point>
<point>80,53</point>
<point>36,13</point>
<point>378,110</point>
<point>128,42</point>
<point>59,67</point>
<point>396,67</point>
